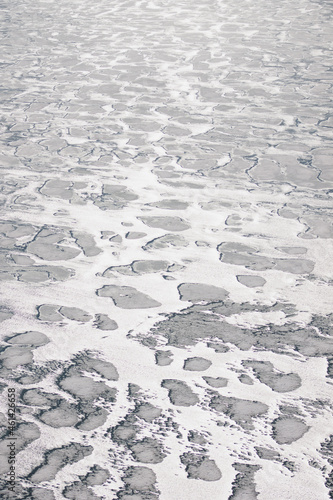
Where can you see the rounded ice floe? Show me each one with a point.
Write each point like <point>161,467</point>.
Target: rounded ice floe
<point>166,223</point>
<point>199,466</point>
<point>295,266</point>
<point>251,281</point>
<point>147,451</point>
<point>196,364</point>
<point>179,393</point>
<point>86,388</point>
<point>75,313</point>
<point>141,479</point>
<point>48,312</point>
<point>103,322</point>
<point>198,292</point>
<point>148,412</point>
<point>293,250</point>
<point>149,266</point>
<point>206,471</point>
<point>286,430</point>
<point>163,358</point>
<point>13,356</point>
<point>245,379</point>
<point>47,251</point>
<point>169,204</point>
<point>28,338</point>
<point>63,416</point>
<point>56,459</point>
<point>241,411</point>
<point>135,235</point>
<point>165,241</point>
<point>94,419</point>
<point>216,382</point>
<point>127,297</point>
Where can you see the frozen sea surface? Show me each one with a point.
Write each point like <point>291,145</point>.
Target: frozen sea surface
<point>166,249</point>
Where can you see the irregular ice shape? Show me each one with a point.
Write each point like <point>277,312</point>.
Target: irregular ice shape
<point>198,292</point>
<point>56,459</point>
<point>179,393</point>
<point>196,364</point>
<point>166,223</point>
<point>286,430</point>
<point>127,297</point>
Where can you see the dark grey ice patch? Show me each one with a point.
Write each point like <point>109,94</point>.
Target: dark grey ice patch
<point>124,433</point>
<point>147,451</point>
<point>250,261</point>
<point>168,240</point>
<point>293,250</point>
<point>286,430</point>
<point>87,243</point>
<point>216,382</point>
<point>295,266</point>
<point>229,246</point>
<point>200,467</point>
<point>251,281</point>
<point>41,494</point>
<point>243,487</point>
<point>114,197</point>
<point>147,412</point>
<point>125,270</point>
<point>48,312</point>
<point>24,493</point>
<point>196,438</point>
<point>86,388</point>
<point>36,397</point>
<point>163,358</point>
<point>96,476</point>
<point>138,267</point>
<point>58,189</point>
<point>198,292</point>
<point>75,314</point>
<point>170,204</point>
<point>278,382</point>
<point>83,362</point>
<point>57,273</point>
<point>245,379</point>
<point>140,484</point>
<point>196,364</point>
<point>103,322</point>
<point>149,266</point>
<point>241,411</point>
<point>214,205</point>
<point>31,338</point>
<point>218,347</point>
<point>56,459</point>
<point>65,415</point>
<point>166,223</point>
<point>266,453</point>
<point>135,235</point>
<point>25,433</point>
<point>179,393</point>
<point>94,419</point>
<point>52,252</point>
<point>79,491</point>
<point>127,297</point>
